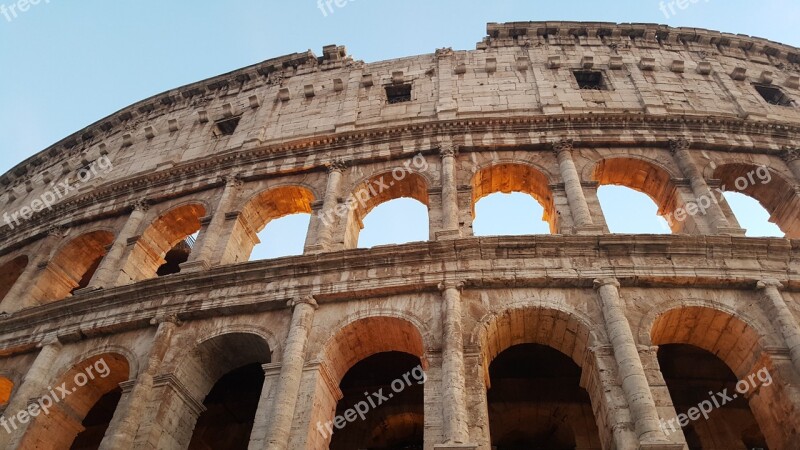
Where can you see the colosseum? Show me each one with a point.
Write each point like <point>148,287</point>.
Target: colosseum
<point>133,318</point>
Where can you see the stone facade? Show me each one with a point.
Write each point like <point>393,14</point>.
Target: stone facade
<point>621,331</point>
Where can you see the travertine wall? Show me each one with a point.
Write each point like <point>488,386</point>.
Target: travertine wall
<point>678,118</point>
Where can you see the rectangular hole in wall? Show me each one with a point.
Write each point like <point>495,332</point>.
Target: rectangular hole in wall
<point>773,95</point>
<point>590,80</point>
<point>398,93</point>
<point>226,127</point>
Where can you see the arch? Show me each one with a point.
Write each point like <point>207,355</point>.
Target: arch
<point>89,382</point>
<point>389,343</point>
<point>367,336</point>
<point>259,210</point>
<point>71,266</point>
<point>560,339</point>
<point>526,323</point>
<point>162,235</point>
<point>645,176</point>
<point>6,389</point>
<point>10,273</point>
<point>742,349</point>
<point>770,188</point>
<point>378,189</point>
<point>516,177</point>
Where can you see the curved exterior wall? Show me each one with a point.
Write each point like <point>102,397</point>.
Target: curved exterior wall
<point>677,117</point>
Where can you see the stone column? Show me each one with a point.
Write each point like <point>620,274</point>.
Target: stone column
<point>204,255</point>
<point>450,226</point>
<point>283,405</point>
<point>108,271</point>
<point>326,222</point>
<point>631,372</point>
<point>784,320</point>
<point>259,434</point>
<point>716,219</point>
<point>33,385</point>
<point>15,298</point>
<point>792,158</point>
<point>572,185</point>
<point>454,401</point>
<point>121,435</point>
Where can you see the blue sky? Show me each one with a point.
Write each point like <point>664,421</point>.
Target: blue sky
<point>66,64</point>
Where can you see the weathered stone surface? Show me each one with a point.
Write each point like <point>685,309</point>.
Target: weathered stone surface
<point>659,112</point>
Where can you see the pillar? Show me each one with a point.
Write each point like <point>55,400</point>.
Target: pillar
<point>122,431</point>
<point>716,218</point>
<point>33,385</point>
<point>581,215</point>
<point>784,320</point>
<point>259,434</point>
<point>454,401</point>
<point>287,389</point>
<point>631,372</point>
<point>326,220</point>
<point>204,255</point>
<point>108,271</point>
<point>450,226</point>
<point>791,156</point>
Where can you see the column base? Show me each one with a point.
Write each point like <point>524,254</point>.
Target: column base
<point>315,249</point>
<point>448,235</point>
<point>86,290</point>
<point>732,231</point>
<point>590,230</point>
<point>660,446</point>
<point>199,265</point>
<point>455,447</point>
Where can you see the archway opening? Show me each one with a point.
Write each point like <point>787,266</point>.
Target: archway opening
<point>393,382</point>
<point>533,375</point>
<point>698,379</point>
<point>513,179</point>
<point>397,347</point>
<point>71,267</point>
<point>649,179</point>
<point>752,216</point>
<point>282,237</point>
<point>272,223</point>
<point>705,350</point>
<point>772,191</point>
<point>226,374</point>
<point>628,211</point>
<point>406,215</point>
<point>230,410</point>
<point>6,388</point>
<point>396,221</point>
<point>169,235</point>
<point>79,419</point>
<point>10,273</point>
<point>514,214</point>
<point>536,401</point>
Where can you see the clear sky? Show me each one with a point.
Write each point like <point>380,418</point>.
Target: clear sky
<point>66,64</point>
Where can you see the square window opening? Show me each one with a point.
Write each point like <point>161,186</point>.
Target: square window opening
<point>590,80</point>
<point>226,127</point>
<point>398,93</point>
<point>773,95</point>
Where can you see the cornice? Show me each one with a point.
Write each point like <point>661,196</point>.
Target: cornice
<point>540,261</point>
<point>274,71</point>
